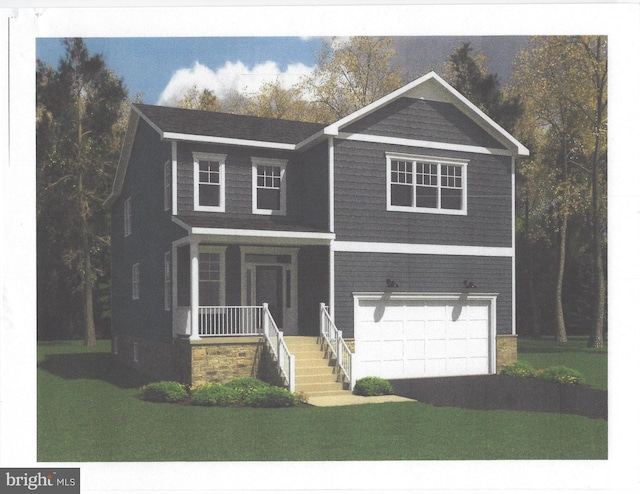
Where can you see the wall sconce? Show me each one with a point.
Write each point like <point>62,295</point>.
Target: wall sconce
<point>469,284</point>
<point>391,283</point>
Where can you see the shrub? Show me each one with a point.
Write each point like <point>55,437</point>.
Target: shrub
<point>372,386</point>
<point>519,369</point>
<point>245,385</point>
<point>270,397</point>
<point>215,395</point>
<point>164,392</point>
<point>562,375</point>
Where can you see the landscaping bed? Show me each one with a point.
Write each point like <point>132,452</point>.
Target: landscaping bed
<point>505,393</point>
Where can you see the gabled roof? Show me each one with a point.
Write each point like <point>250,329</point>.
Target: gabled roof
<point>432,87</point>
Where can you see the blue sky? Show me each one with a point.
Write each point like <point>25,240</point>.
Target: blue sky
<point>164,68</point>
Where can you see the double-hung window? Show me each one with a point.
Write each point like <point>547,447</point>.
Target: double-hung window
<point>208,182</point>
<point>426,184</point>
<point>269,186</point>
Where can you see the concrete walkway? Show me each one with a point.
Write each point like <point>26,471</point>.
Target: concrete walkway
<point>344,399</point>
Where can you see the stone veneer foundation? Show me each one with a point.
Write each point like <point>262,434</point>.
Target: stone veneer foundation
<point>506,351</point>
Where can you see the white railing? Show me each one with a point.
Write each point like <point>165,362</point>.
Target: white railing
<point>332,338</point>
<point>230,321</point>
<point>275,338</point>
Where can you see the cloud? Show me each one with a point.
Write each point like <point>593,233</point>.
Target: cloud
<point>230,78</point>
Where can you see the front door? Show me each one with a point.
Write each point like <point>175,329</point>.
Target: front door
<point>269,290</point>
<point>271,277</point>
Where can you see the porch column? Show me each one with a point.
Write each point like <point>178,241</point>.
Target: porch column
<point>195,294</point>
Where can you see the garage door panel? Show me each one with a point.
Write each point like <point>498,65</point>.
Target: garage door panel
<point>423,338</point>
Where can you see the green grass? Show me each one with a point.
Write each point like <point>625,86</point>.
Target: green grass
<point>88,410</point>
<point>545,352</point>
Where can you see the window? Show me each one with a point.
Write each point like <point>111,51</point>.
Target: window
<point>135,282</point>
<point>211,276</point>
<point>269,186</point>
<point>208,182</point>
<point>127,217</point>
<point>167,281</point>
<point>167,185</point>
<point>136,354</point>
<point>426,184</point>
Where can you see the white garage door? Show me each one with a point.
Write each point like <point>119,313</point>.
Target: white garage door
<point>423,337</point>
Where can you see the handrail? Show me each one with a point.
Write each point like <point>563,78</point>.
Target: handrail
<point>275,339</point>
<point>339,349</point>
<point>229,321</point>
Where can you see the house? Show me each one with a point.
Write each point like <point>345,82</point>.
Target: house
<point>239,243</point>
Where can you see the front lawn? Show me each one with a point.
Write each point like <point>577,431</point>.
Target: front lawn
<point>88,410</point>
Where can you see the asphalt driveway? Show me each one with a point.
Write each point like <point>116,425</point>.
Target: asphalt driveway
<point>505,393</point>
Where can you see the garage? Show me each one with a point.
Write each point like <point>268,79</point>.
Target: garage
<point>408,335</point>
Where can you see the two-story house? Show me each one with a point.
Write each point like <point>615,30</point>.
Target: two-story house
<point>393,225</point>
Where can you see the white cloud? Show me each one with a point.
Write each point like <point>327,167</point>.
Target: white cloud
<point>233,76</point>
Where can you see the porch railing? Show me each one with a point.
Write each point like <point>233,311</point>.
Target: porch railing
<point>230,321</point>
<point>332,338</point>
<point>275,338</point>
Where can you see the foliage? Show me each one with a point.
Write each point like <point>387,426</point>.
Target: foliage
<point>561,374</point>
<point>270,397</point>
<point>275,101</point>
<point>79,110</point>
<point>246,385</point>
<point>372,386</point>
<point>200,100</point>
<point>215,395</point>
<point>520,369</point>
<point>351,74</point>
<point>164,392</point>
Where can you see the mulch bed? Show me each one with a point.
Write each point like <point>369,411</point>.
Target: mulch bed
<point>505,393</point>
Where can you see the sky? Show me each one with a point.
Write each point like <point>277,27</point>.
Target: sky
<point>161,70</point>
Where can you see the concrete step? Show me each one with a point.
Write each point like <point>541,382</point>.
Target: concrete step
<point>315,389</point>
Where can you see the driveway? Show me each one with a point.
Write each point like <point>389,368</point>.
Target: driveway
<point>505,393</point>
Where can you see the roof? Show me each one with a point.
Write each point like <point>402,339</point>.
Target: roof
<point>199,124</point>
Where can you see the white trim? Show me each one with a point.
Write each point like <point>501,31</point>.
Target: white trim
<point>422,249</point>
<point>432,160</point>
<point>398,141</point>
<point>513,244</point>
<point>332,199</point>
<point>332,279</point>
<point>282,164</point>
<point>136,352</point>
<point>168,277</point>
<point>167,184</point>
<point>220,158</point>
<point>228,141</point>
<point>243,235</point>
<point>174,177</point>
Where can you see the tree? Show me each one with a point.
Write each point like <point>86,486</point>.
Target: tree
<point>562,81</point>
<point>274,101</point>
<point>79,107</point>
<point>200,100</point>
<point>351,75</point>
<point>467,72</point>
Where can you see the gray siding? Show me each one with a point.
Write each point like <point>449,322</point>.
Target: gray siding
<point>424,120</point>
<point>361,200</point>
<point>358,272</point>
<point>313,287</point>
<point>152,234</point>
<point>315,186</point>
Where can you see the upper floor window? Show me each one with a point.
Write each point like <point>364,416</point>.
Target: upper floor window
<point>426,184</point>
<point>127,216</point>
<point>208,182</point>
<point>269,186</point>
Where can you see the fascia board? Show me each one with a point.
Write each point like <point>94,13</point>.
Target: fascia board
<point>175,136</point>
<point>125,154</point>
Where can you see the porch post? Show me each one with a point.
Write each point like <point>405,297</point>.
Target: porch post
<point>195,294</point>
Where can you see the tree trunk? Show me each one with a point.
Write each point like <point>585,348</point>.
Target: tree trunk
<point>535,328</point>
<point>87,285</point>
<point>561,331</point>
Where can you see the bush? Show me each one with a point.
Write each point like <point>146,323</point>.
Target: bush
<point>270,397</point>
<point>519,369</point>
<point>246,385</point>
<point>211,395</point>
<point>562,375</point>
<point>372,386</point>
<point>164,392</point>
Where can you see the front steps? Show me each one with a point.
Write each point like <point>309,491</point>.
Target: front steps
<point>315,376</point>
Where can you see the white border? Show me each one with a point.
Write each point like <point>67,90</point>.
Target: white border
<point>220,158</point>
